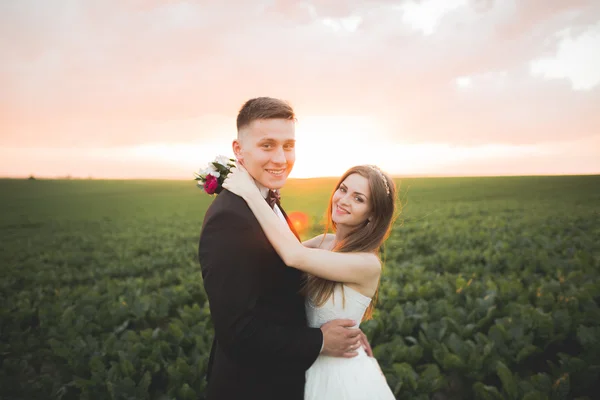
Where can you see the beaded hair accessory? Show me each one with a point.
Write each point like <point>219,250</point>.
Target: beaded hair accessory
<point>385,182</point>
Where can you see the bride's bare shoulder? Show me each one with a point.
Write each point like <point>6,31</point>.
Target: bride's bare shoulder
<point>323,241</point>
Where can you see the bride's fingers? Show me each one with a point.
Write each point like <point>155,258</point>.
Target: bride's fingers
<point>241,171</point>
<point>239,166</point>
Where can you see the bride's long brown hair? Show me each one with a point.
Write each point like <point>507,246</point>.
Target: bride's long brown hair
<point>367,237</point>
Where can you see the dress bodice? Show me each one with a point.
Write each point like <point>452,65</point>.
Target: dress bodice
<point>341,378</point>
<point>335,307</point>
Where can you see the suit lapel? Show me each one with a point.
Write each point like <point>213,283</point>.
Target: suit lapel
<point>289,223</point>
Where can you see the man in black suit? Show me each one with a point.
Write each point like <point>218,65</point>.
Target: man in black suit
<point>262,345</point>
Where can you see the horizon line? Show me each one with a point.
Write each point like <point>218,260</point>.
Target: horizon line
<point>65,178</point>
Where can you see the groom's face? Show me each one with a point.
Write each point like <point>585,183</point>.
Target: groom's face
<point>267,149</point>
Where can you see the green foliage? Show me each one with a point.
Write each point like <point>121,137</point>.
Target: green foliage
<point>490,288</point>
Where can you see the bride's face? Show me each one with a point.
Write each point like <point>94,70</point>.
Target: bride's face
<point>267,150</point>
<point>351,202</point>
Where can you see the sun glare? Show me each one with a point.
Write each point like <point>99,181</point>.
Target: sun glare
<point>328,145</point>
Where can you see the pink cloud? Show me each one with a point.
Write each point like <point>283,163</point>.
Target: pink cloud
<point>99,75</point>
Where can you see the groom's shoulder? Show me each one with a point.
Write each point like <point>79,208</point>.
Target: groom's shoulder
<point>228,205</point>
<point>226,200</point>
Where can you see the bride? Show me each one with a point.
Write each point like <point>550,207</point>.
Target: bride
<point>343,270</point>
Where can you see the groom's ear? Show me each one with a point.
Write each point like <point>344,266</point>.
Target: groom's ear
<point>237,149</point>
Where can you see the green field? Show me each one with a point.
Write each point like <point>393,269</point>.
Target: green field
<point>491,288</point>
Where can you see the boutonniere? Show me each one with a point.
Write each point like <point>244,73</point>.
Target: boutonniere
<point>211,178</point>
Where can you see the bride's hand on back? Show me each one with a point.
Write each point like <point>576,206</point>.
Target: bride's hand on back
<point>240,182</point>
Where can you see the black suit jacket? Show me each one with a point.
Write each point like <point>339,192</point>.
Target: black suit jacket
<point>262,345</point>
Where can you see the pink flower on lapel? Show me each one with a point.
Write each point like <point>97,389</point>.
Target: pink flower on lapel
<point>211,184</point>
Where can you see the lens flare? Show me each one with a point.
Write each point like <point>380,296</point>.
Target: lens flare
<point>299,221</point>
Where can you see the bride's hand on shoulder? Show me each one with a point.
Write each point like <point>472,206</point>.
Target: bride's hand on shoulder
<point>240,182</point>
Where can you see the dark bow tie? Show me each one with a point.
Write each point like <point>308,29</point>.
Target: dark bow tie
<point>273,197</point>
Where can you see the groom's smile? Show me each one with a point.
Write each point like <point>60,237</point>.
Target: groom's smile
<point>266,147</point>
<point>277,172</point>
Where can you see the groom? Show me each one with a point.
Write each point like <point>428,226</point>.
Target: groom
<point>262,345</point>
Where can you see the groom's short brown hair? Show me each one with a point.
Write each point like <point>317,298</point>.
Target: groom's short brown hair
<point>264,108</point>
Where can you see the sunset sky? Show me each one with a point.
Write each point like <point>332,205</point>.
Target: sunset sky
<point>150,88</point>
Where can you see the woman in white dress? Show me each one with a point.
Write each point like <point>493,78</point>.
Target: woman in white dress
<point>343,270</point>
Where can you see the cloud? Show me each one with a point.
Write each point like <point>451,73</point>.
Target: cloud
<point>124,73</point>
<point>424,16</point>
<point>575,60</point>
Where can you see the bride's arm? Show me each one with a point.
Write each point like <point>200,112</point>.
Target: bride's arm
<point>339,267</point>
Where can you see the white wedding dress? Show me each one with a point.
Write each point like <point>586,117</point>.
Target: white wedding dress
<point>334,378</point>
